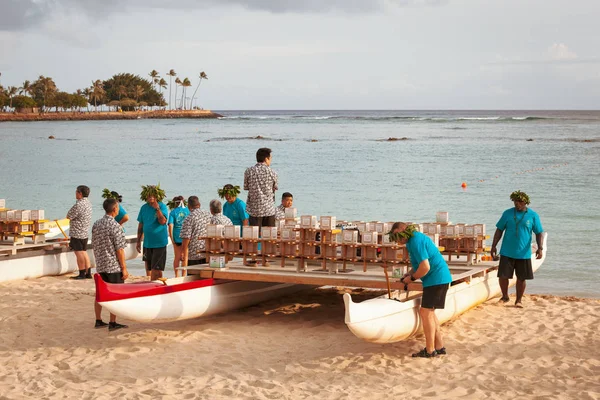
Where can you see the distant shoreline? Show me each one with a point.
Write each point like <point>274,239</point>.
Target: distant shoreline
<point>105,116</point>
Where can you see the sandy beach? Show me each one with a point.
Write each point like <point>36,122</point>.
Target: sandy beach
<point>294,347</point>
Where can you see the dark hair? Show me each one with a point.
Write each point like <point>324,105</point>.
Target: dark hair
<point>286,195</point>
<point>177,198</point>
<point>262,154</point>
<point>193,202</point>
<point>109,205</point>
<point>117,196</point>
<point>84,190</point>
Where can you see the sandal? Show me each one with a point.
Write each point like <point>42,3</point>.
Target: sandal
<point>441,351</point>
<point>504,300</point>
<point>423,353</point>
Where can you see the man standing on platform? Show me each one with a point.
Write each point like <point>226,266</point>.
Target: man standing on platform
<point>152,229</point>
<point>108,242</point>
<point>194,226</point>
<point>429,266</point>
<point>261,183</point>
<point>519,223</point>
<point>80,216</point>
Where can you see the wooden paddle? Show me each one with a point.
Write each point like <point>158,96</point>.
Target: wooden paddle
<point>387,280</point>
<point>61,229</point>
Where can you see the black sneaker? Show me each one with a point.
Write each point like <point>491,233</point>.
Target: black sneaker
<point>441,351</point>
<point>88,275</point>
<point>422,353</point>
<point>100,324</point>
<point>78,277</point>
<point>113,326</point>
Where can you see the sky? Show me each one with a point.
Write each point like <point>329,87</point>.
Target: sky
<point>319,54</point>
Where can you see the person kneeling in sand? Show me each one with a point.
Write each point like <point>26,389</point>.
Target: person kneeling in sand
<point>429,265</point>
<point>515,254</point>
<point>108,242</point>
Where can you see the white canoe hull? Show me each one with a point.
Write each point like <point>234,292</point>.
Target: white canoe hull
<point>384,320</point>
<point>59,261</point>
<point>198,302</point>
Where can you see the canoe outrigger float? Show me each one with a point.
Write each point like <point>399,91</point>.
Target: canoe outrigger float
<point>381,320</point>
<point>385,320</point>
<point>27,261</point>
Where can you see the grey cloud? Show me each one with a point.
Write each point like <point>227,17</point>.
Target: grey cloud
<point>16,14</point>
<point>22,14</point>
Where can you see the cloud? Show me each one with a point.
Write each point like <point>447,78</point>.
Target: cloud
<point>25,14</point>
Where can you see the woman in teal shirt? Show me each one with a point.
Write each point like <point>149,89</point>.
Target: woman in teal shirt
<point>178,214</point>
<point>122,216</point>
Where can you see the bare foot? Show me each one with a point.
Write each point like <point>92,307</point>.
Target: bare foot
<point>518,304</point>
<point>504,300</point>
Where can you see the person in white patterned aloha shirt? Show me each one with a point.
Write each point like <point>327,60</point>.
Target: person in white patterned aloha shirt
<point>108,242</point>
<point>194,226</point>
<point>261,183</point>
<point>80,216</point>
<point>217,218</point>
<point>287,200</point>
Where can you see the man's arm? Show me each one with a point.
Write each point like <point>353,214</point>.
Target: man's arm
<point>140,236</point>
<point>124,219</point>
<point>540,249</point>
<point>497,237</point>
<point>121,258</point>
<point>246,181</point>
<point>421,271</point>
<point>185,243</point>
<point>160,216</point>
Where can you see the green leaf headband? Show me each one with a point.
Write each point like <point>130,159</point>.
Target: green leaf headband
<point>517,195</point>
<point>407,233</point>
<point>107,194</point>
<point>234,191</point>
<point>174,204</point>
<point>152,190</point>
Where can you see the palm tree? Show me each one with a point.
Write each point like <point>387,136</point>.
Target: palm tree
<point>11,91</point>
<point>138,91</point>
<point>121,91</point>
<point>88,95</point>
<point>153,75</point>
<point>97,92</point>
<point>202,76</point>
<point>171,75</point>
<point>26,88</point>
<point>185,84</point>
<point>177,82</point>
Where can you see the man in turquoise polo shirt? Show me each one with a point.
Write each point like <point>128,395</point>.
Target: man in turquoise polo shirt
<point>515,254</point>
<point>429,266</point>
<point>152,229</point>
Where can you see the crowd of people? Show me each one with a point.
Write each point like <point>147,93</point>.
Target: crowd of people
<point>185,224</point>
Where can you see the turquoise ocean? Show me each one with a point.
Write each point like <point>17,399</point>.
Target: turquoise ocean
<point>339,163</point>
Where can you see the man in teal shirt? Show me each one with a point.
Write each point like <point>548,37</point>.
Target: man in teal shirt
<point>515,254</point>
<point>429,266</point>
<point>152,229</point>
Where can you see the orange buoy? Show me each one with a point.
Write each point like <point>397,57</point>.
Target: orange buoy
<point>464,185</point>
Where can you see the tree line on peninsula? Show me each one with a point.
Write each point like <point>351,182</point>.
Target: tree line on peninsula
<point>123,91</point>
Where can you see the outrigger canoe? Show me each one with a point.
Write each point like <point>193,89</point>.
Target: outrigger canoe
<point>29,261</point>
<point>385,320</point>
<point>185,297</point>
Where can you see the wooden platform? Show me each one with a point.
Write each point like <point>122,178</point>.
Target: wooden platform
<point>313,274</point>
<point>8,248</point>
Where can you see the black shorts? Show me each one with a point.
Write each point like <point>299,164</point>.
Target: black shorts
<point>177,244</point>
<point>155,258</point>
<point>112,277</point>
<point>197,262</point>
<point>78,244</point>
<point>262,221</point>
<point>434,297</point>
<point>521,267</point>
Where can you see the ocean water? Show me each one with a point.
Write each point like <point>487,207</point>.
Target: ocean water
<point>339,163</point>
